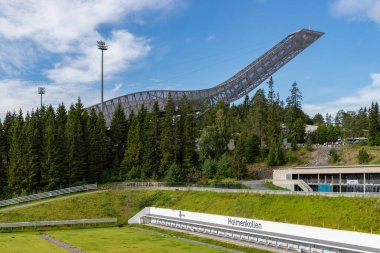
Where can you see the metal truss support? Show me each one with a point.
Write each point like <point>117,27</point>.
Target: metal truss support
<point>230,90</point>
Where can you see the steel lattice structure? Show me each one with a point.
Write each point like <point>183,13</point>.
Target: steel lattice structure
<point>230,90</point>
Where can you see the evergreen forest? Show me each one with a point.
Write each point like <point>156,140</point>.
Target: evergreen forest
<point>52,148</point>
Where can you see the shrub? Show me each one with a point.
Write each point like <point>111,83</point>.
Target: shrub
<point>334,157</point>
<point>175,174</point>
<point>363,156</point>
<point>209,168</point>
<point>224,168</point>
<point>309,144</point>
<point>290,156</point>
<point>275,155</point>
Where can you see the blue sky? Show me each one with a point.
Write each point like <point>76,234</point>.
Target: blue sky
<point>184,44</point>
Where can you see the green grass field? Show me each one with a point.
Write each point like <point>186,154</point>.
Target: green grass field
<point>100,240</point>
<point>26,243</point>
<point>360,214</point>
<point>125,239</point>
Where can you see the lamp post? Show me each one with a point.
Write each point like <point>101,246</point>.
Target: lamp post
<point>102,46</point>
<point>41,91</point>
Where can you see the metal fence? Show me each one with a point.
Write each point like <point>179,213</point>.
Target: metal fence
<point>132,185</point>
<point>48,194</point>
<point>57,223</point>
<point>230,188</point>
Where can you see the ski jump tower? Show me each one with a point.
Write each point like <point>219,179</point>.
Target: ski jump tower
<point>230,90</point>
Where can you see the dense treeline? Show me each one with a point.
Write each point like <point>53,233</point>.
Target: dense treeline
<point>49,149</point>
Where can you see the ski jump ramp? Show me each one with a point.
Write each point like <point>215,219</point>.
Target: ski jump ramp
<point>230,90</point>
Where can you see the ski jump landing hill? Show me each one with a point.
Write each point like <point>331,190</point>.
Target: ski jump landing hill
<point>230,90</point>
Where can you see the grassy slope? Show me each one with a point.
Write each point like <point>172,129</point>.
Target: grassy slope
<point>26,243</point>
<point>361,214</point>
<point>349,155</point>
<point>126,240</point>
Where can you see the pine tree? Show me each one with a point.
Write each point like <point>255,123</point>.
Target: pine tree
<point>293,106</point>
<point>294,115</point>
<point>273,130</point>
<point>118,132</point>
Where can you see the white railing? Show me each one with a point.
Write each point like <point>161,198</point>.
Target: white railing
<point>57,223</point>
<point>43,195</point>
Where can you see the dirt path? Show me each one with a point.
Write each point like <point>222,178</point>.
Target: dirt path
<point>322,157</point>
<point>61,244</point>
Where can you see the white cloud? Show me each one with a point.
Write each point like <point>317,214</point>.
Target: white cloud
<point>362,98</point>
<point>123,48</point>
<point>56,39</point>
<point>68,30</point>
<point>357,9</point>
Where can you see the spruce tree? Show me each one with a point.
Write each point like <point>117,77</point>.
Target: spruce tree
<point>373,124</point>
<point>166,142</point>
<point>32,153</point>
<point>76,146</point>
<point>259,114</point>
<point>245,108</point>
<point>132,155</point>
<point>294,116</point>
<point>189,156</point>
<point>273,130</point>
<point>51,174</point>
<point>97,147</point>
<point>118,132</point>
<point>7,126</point>
<point>3,162</point>
<point>62,160</point>
<point>16,154</point>
<point>152,153</point>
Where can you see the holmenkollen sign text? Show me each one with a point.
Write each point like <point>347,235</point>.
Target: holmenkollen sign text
<point>244,223</point>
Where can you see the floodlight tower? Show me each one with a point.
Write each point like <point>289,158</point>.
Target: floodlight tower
<point>41,91</point>
<point>102,46</point>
